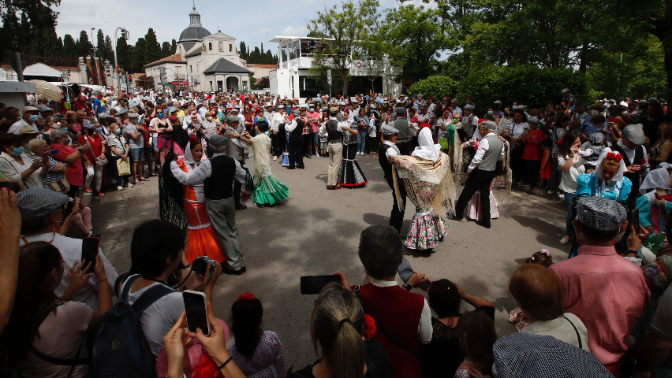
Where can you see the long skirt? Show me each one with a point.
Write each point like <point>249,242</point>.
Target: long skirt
<point>350,174</point>
<point>427,228</point>
<point>269,191</point>
<point>201,240</point>
<point>474,209</point>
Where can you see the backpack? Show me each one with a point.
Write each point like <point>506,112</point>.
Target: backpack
<point>120,349</point>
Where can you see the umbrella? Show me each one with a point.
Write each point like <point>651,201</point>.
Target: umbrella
<point>47,89</point>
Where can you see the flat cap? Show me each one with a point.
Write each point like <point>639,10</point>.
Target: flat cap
<point>333,110</point>
<point>600,213</point>
<point>87,124</point>
<point>596,137</point>
<point>172,109</point>
<point>490,125</point>
<point>232,119</point>
<point>635,133</point>
<point>468,107</point>
<point>44,108</point>
<point>122,111</point>
<point>27,129</point>
<point>534,120</point>
<point>29,109</point>
<point>281,106</point>
<point>497,102</point>
<point>133,115</point>
<point>218,140</point>
<point>401,111</point>
<point>36,203</point>
<point>389,130</point>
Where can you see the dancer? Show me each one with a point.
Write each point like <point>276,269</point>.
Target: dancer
<point>201,237</point>
<point>334,132</point>
<point>268,190</point>
<point>481,172</point>
<point>429,185</point>
<point>216,176</point>
<point>350,174</point>
<point>295,144</point>
<point>386,152</point>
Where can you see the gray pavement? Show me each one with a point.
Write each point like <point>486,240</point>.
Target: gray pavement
<point>316,231</point>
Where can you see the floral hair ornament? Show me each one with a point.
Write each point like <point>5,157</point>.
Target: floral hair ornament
<point>369,327</point>
<point>642,161</point>
<point>559,142</point>
<point>246,297</point>
<point>423,125</point>
<point>207,368</point>
<point>614,156</point>
<point>546,252</point>
<point>193,139</point>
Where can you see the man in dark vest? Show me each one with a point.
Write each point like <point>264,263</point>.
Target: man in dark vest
<point>631,147</point>
<point>481,172</point>
<point>387,150</point>
<point>404,136</point>
<point>335,139</point>
<point>217,175</point>
<point>295,129</point>
<point>235,149</point>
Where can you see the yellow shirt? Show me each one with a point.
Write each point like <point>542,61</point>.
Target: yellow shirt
<point>180,113</point>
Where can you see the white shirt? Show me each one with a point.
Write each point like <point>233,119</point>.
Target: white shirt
<point>291,126</point>
<point>71,251</point>
<point>561,329</point>
<point>392,151</point>
<point>631,153</point>
<point>483,146</point>
<point>203,171</point>
<point>277,120</point>
<point>518,129</point>
<point>425,327</point>
<point>13,169</point>
<point>16,127</point>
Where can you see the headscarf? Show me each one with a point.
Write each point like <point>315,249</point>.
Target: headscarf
<point>608,152</point>
<point>188,156</point>
<point>427,149</point>
<point>658,178</point>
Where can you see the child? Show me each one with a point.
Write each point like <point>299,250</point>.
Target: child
<point>477,335</point>
<point>373,141</point>
<point>544,258</point>
<point>323,136</point>
<point>546,163</point>
<point>256,352</point>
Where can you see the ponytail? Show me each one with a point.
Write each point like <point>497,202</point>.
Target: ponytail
<point>348,354</point>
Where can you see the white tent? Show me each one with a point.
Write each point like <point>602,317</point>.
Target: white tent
<point>41,69</point>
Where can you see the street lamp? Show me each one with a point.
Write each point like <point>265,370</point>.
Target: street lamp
<point>124,34</point>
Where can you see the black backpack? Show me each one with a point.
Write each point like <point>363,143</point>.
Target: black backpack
<point>120,349</point>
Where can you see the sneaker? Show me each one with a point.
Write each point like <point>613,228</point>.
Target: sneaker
<point>120,188</point>
<point>129,185</point>
<point>99,193</point>
<point>88,190</point>
<point>565,240</point>
<point>551,191</point>
<point>561,195</point>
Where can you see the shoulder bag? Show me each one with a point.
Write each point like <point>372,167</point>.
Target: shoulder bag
<point>100,161</point>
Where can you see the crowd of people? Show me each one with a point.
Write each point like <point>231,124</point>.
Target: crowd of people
<point>603,312</point>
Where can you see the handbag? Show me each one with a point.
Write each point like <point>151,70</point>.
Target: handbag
<point>123,167</point>
<point>100,161</point>
<point>61,186</point>
<point>443,142</point>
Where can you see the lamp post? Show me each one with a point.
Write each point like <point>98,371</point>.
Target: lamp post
<point>124,34</point>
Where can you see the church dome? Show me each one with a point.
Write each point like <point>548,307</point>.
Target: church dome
<point>195,31</point>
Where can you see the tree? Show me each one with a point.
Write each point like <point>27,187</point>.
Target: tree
<point>165,49</point>
<point>124,54</point>
<point>100,44</point>
<point>109,50</point>
<point>152,47</point>
<point>173,47</point>
<point>15,34</point>
<point>84,47</point>
<point>69,46</point>
<point>243,51</point>
<point>342,31</point>
<point>139,61</point>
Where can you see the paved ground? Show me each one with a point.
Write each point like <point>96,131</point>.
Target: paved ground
<point>316,231</point>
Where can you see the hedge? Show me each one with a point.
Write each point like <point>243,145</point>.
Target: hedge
<point>435,86</point>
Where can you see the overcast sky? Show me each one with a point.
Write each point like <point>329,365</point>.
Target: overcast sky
<point>260,22</point>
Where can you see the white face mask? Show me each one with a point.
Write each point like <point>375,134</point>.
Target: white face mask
<point>56,125</point>
<point>594,112</point>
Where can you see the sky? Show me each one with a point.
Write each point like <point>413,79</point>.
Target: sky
<point>263,20</point>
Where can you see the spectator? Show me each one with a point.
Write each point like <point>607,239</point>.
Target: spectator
<point>516,135</point>
<point>93,155</point>
<point>118,150</point>
<point>338,324</point>
<point>10,221</point>
<point>477,336</point>
<point>539,294</point>
<point>257,353</point>
<point>607,292</point>
<point>532,152</point>
<point>55,177</point>
<point>136,143</point>
<point>72,157</point>
<point>16,164</point>
<point>442,356</point>
<point>43,327</point>
<point>571,165</point>
<point>30,115</point>
<point>651,121</point>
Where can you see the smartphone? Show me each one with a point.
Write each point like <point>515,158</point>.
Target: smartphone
<point>635,220</point>
<point>90,250</point>
<point>314,284</point>
<point>53,152</point>
<point>197,312</point>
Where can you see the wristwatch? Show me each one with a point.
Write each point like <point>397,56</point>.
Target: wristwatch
<point>407,286</point>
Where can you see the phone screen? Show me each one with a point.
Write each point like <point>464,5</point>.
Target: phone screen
<point>197,316</point>
<point>90,250</point>
<point>314,284</point>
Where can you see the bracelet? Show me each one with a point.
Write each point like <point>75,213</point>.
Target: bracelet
<point>102,281</point>
<point>220,367</point>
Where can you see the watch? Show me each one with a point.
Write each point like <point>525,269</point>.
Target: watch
<point>407,286</point>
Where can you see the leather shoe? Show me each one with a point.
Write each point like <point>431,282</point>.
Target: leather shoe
<point>240,206</point>
<point>483,224</point>
<point>330,187</point>
<point>338,187</point>
<point>233,272</point>
<point>455,218</point>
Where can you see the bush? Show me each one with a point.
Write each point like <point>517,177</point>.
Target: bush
<point>435,86</point>
<point>531,86</point>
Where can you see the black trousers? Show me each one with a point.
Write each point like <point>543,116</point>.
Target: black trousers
<point>532,168</point>
<point>238,187</point>
<point>295,152</point>
<point>279,140</point>
<point>397,215</point>
<point>306,141</point>
<point>478,180</point>
<point>404,148</point>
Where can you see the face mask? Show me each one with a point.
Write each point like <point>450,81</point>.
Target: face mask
<point>209,118</point>
<point>56,125</point>
<point>172,117</point>
<point>34,118</point>
<point>18,151</point>
<point>117,131</point>
<point>99,129</point>
<point>159,114</point>
<point>67,141</point>
<point>639,112</point>
<point>594,112</point>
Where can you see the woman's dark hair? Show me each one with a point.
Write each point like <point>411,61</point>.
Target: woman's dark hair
<point>565,144</point>
<point>522,112</point>
<point>246,325</point>
<point>659,109</point>
<point>444,298</point>
<point>540,258</point>
<point>477,335</point>
<point>262,125</point>
<point>380,251</point>
<point>561,119</point>
<point>34,295</point>
<point>8,140</point>
<point>153,243</point>
<point>546,143</point>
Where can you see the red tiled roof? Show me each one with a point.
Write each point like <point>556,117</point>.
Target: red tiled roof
<point>170,58</point>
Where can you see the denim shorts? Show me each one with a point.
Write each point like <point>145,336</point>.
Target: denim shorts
<point>137,154</point>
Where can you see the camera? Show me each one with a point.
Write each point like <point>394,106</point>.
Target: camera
<point>200,264</point>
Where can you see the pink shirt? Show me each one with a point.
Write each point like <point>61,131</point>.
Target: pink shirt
<point>608,293</point>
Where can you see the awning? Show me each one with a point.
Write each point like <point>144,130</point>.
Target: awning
<point>180,83</point>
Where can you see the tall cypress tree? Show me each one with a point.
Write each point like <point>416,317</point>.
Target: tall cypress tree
<point>152,47</point>
<point>139,55</point>
<point>173,47</point>
<point>100,44</point>
<point>84,47</point>
<point>69,46</point>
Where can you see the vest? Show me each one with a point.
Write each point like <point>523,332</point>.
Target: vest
<point>404,130</point>
<point>333,135</point>
<point>397,315</point>
<point>386,165</point>
<point>489,161</point>
<point>220,183</point>
<point>634,177</point>
<point>296,133</point>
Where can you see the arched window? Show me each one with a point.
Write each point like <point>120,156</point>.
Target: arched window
<point>210,46</point>
<point>230,47</point>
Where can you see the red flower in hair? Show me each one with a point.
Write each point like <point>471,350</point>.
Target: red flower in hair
<point>207,368</point>
<point>559,142</point>
<point>246,297</point>
<point>642,161</point>
<point>369,327</point>
<point>425,125</point>
<point>614,156</point>
<point>193,139</point>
